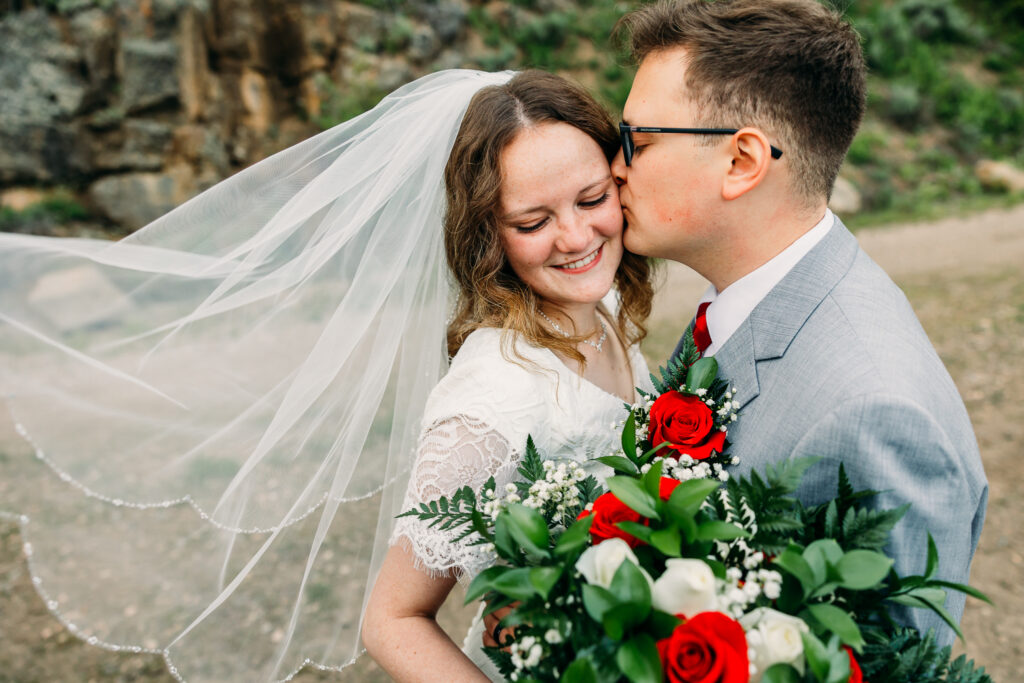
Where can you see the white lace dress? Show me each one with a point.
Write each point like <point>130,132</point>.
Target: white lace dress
<point>475,426</point>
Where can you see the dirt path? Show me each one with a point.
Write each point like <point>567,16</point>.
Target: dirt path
<point>965,278</point>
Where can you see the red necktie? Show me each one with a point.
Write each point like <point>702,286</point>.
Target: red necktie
<point>701,336</point>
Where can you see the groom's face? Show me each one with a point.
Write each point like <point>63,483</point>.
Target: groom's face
<point>668,192</point>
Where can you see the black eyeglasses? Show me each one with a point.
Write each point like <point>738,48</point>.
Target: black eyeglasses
<point>626,132</point>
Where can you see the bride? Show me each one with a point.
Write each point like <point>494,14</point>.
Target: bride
<point>226,410</point>
<point>533,235</point>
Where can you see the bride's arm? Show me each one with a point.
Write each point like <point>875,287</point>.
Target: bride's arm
<point>400,630</point>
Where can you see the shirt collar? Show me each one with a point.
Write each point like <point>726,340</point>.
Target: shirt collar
<point>730,307</point>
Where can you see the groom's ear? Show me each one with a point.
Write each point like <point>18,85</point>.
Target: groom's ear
<point>751,156</point>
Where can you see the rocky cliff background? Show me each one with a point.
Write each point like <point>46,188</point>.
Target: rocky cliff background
<point>112,112</point>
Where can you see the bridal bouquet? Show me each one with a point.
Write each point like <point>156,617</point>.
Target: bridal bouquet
<point>670,570</point>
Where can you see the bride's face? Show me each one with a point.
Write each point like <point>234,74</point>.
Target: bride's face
<point>561,223</point>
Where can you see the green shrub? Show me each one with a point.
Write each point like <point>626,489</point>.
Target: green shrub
<point>59,209</point>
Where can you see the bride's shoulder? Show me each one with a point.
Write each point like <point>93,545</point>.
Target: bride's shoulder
<point>491,371</point>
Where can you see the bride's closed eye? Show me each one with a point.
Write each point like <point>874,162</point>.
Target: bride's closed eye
<point>595,202</point>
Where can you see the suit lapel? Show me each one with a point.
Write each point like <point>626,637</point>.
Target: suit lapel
<point>773,324</point>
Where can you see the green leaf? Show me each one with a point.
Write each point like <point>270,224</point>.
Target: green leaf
<point>638,659</point>
<point>721,531</point>
<point>619,464</point>
<point>668,541</point>
<point>687,498</point>
<point>482,583</point>
<point>702,373</point>
<point>632,493</point>
<point>597,601</point>
<point>575,537</point>
<point>629,436</point>
<point>620,619</point>
<point>933,558</point>
<point>792,561</point>
<point>839,622</point>
<point>580,671</point>
<point>641,531</point>
<point>503,542</point>
<point>649,455</point>
<point>652,480</point>
<point>515,583</point>
<point>629,585</point>
<point>661,624</point>
<point>928,597</point>
<point>863,569</point>
<point>529,529</point>
<point>544,579</point>
<point>781,673</point>
<point>817,656</point>
<point>963,588</point>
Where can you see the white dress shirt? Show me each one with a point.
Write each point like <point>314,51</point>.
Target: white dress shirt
<point>730,307</point>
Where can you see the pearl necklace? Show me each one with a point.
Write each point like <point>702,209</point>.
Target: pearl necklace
<point>596,345</point>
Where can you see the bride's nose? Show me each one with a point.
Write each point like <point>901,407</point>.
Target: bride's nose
<point>575,234</point>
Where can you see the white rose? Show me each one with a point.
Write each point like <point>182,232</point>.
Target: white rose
<point>599,563</point>
<point>774,638</point>
<point>687,587</point>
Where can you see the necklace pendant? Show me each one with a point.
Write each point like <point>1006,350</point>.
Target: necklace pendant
<point>596,344</point>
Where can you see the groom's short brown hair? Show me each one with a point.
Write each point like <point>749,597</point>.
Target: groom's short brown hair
<point>793,68</point>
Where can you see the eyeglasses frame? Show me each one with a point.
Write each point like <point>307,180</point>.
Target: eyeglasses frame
<point>626,134</point>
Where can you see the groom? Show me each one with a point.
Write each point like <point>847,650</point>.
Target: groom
<point>824,350</point>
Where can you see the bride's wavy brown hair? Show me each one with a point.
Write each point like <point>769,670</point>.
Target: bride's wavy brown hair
<point>490,294</point>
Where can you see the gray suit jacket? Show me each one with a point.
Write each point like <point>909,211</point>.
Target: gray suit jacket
<point>834,363</point>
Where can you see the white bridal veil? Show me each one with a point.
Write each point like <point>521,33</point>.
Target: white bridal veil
<point>223,407</point>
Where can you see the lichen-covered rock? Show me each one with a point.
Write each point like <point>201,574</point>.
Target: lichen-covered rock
<point>150,74</point>
<point>135,199</point>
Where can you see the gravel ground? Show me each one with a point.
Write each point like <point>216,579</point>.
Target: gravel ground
<point>965,280</point>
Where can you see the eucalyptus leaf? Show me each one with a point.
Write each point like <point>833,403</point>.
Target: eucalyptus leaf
<point>575,537</point>
<point>544,579</point>
<point>482,583</point>
<point>792,561</point>
<point>641,531</point>
<point>652,480</point>
<point>863,569</point>
<point>668,541</point>
<point>781,673</point>
<point>597,601</point>
<point>638,659</point>
<point>629,436</point>
<point>933,558</point>
<point>619,464</point>
<point>632,493</point>
<point>629,585</point>
<point>716,530</point>
<point>817,656</point>
<point>702,373</point>
<point>528,528</point>
<point>515,583</point>
<point>688,496</point>
<point>580,671</point>
<point>503,541</point>
<point>839,622</point>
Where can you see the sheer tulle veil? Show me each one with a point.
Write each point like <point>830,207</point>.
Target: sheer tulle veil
<point>223,407</point>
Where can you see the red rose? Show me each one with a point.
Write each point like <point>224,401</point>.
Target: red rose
<point>667,486</point>
<point>606,512</point>
<point>855,674</point>
<point>709,648</point>
<point>687,424</point>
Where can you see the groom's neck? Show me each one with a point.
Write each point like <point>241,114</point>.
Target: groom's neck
<point>751,240</point>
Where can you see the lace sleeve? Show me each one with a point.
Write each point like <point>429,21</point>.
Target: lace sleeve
<point>454,452</point>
